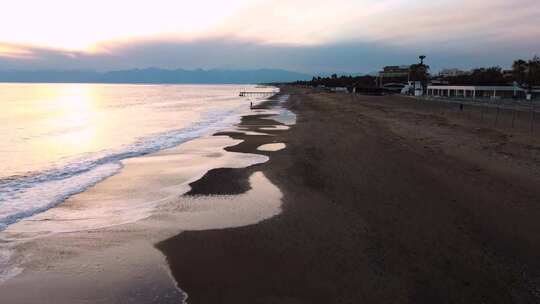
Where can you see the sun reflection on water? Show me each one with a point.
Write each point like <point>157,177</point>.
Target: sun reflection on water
<point>78,116</point>
<point>48,126</point>
<point>72,121</point>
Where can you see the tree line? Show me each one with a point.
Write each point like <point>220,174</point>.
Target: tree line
<point>526,73</point>
<point>340,81</point>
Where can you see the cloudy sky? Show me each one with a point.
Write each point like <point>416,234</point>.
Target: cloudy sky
<point>307,36</point>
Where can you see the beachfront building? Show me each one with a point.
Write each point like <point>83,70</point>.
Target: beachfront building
<point>492,92</point>
<point>393,74</point>
<point>394,71</point>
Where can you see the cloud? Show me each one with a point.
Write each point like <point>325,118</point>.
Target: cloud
<point>307,36</point>
<point>230,52</point>
<point>396,22</point>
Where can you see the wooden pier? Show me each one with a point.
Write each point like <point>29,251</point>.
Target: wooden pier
<point>246,93</point>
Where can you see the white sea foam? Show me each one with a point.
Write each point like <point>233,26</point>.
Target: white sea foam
<point>24,196</point>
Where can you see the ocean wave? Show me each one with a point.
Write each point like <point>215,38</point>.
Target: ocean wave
<point>34,192</point>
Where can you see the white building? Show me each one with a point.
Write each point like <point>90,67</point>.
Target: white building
<point>492,92</point>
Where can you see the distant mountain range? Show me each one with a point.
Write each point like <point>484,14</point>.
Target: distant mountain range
<point>154,75</point>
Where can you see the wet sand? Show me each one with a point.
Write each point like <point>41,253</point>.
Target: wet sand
<point>384,201</point>
<point>98,246</point>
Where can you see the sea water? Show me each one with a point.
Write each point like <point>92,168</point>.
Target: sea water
<point>57,140</point>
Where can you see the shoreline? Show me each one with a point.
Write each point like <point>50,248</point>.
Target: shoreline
<point>68,169</point>
<point>66,254</point>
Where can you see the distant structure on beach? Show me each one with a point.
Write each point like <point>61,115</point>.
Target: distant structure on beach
<point>407,79</point>
<point>394,78</point>
<point>394,73</point>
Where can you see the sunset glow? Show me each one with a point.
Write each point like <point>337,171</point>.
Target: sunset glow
<point>81,25</point>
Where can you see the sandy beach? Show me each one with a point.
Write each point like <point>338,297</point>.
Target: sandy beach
<point>385,201</point>
<point>359,199</point>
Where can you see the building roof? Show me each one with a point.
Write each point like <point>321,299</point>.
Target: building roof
<point>391,68</point>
